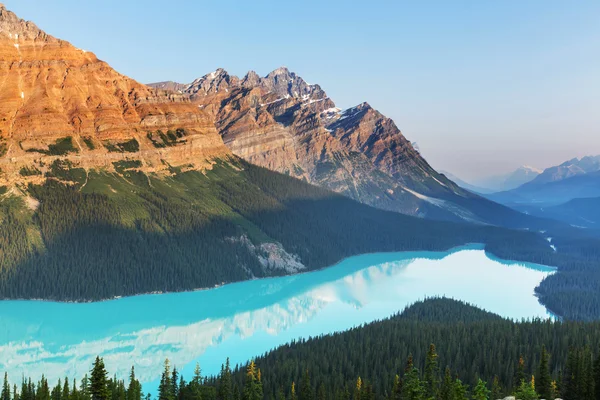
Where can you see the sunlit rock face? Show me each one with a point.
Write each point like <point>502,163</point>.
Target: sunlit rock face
<point>52,90</point>
<point>246,319</point>
<point>283,123</point>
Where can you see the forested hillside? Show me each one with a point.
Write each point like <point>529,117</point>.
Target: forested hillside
<point>476,355</point>
<point>474,344</point>
<point>104,235</point>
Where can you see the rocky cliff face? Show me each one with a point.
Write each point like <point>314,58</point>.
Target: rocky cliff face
<point>60,101</point>
<point>285,124</point>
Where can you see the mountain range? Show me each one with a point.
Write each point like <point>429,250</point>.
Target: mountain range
<point>576,178</point>
<point>498,183</point>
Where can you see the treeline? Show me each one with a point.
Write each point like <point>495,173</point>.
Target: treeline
<point>562,361</point>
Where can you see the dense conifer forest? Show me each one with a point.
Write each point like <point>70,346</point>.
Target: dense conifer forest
<point>93,235</point>
<point>436,349</point>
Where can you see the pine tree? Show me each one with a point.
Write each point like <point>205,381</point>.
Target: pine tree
<point>526,391</point>
<point>321,393</point>
<point>520,373</point>
<point>253,385</point>
<point>496,392</point>
<point>446,388</point>
<point>412,387</point>
<point>543,380</point>
<point>5,388</point>
<point>134,391</point>
<point>66,390</point>
<point>306,392</point>
<point>281,394</point>
<point>293,392</point>
<point>174,383</point>
<point>165,388</point>
<point>481,392</point>
<point>75,393</point>
<point>357,389</point>
<point>459,390</point>
<point>397,389</point>
<point>224,391</point>
<point>432,372</point>
<point>98,381</point>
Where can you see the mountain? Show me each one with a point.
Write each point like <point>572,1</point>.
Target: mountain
<point>576,178</point>
<point>284,124</point>
<point>508,181</point>
<point>521,176</point>
<point>60,101</point>
<point>568,169</point>
<point>110,188</point>
<point>466,185</point>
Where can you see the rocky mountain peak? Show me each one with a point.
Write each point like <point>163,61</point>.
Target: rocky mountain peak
<point>211,83</point>
<point>251,80</point>
<point>14,27</point>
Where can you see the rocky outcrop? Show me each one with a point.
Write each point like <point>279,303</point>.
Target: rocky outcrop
<point>283,123</point>
<point>61,101</point>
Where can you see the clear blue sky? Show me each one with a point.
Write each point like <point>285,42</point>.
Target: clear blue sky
<point>482,86</point>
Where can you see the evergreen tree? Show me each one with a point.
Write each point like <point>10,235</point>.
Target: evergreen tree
<point>224,391</point>
<point>396,389</point>
<point>481,392</point>
<point>165,388</point>
<point>134,390</point>
<point>5,388</point>
<point>432,372</point>
<point>75,393</point>
<point>175,383</point>
<point>526,391</point>
<point>306,392</point>
<point>281,394</point>
<point>412,387</point>
<point>66,390</point>
<point>496,392</point>
<point>321,392</point>
<point>99,381</point>
<point>358,389</point>
<point>253,385</point>
<point>446,388</point>
<point>543,380</point>
<point>520,376</point>
<point>293,392</point>
<point>459,390</point>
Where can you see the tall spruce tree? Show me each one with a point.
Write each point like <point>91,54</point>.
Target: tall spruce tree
<point>165,388</point>
<point>543,380</point>
<point>99,381</point>
<point>432,372</point>
<point>225,388</point>
<point>520,376</point>
<point>306,391</point>
<point>446,388</point>
<point>5,388</point>
<point>496,392</point>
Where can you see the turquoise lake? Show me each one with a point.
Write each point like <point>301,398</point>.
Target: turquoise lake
<point>246,319</point>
